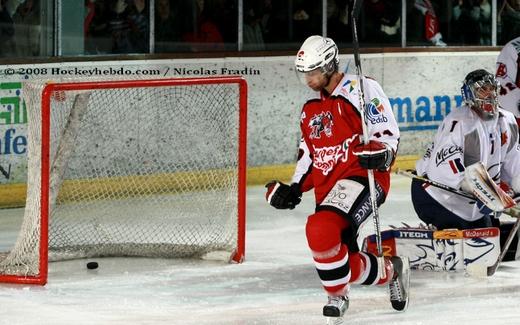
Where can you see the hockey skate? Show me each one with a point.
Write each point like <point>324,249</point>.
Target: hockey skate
<point>400,283</point>
<point>335,309</point>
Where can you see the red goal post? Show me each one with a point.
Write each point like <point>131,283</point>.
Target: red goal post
<point>163,160</point>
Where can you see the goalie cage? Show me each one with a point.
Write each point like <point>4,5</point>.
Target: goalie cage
<point>150,168</point>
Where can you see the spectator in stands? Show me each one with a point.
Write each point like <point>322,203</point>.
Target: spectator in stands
<point>167,27</point>
<point>306,19</point>
<point>128,26</point>
<point>119,28</point>
<point>383,21</point>
<point>139,26</point>
<point>253,37</point>
<point>204,34</point>
<point>90,9</point>
<point>225,16</point>
<point>97,37</point>
<point>274,23</point>
<point>485,22</point>
<point>6,31</point>
<point>431,22</point>
<point>471,19</point>
<point>338,21</point>
<point>509,16</point>
<point>26,21</point>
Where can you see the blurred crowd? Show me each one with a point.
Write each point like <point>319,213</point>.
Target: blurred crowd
<point>124,26</point>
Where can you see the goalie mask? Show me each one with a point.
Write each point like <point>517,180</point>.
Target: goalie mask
<point>480,91</point>
<point>317,55</point>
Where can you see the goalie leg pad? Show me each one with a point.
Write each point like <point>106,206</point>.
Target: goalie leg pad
<point>481,246</point>
<point>441,250</point>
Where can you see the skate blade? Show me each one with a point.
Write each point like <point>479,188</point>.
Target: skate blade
<point>335,321</point>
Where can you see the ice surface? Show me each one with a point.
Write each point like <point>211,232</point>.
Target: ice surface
<point>277,284</point>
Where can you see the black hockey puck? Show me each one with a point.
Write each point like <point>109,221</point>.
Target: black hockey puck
<point>92,265</point>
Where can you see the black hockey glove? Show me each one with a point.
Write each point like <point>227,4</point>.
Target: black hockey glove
<point>374,155</point>
<point>283,196</point>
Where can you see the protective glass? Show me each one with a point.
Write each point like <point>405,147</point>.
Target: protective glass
<point>304,77</point>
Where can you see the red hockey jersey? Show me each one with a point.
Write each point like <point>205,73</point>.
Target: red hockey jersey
<point>331,126</point>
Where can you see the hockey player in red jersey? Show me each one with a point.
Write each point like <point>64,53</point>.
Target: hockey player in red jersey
<point>333,161</point>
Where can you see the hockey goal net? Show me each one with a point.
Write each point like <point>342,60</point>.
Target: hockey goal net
<point>151,168</point>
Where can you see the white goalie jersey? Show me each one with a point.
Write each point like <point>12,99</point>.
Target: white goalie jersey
<point>462,140</point>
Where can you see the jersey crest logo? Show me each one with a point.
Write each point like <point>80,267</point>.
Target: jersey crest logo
<point>503,138</point>
<point>501,70</point>
<point>321,123</point>
<point>374,111</point>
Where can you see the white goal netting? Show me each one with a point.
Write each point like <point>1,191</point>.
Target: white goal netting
<point>135,168</point>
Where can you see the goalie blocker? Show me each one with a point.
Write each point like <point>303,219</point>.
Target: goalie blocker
<point>440,250</point>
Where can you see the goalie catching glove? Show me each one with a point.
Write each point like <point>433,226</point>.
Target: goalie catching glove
<point>489,196</point>
<point>283,196</point>
<point>374,155</point>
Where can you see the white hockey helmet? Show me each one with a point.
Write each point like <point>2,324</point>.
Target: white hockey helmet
<point>480,91</point>
<point>317,52</point>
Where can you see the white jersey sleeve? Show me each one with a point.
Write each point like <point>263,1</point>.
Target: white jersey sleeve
<point>379,117</point>
<point>304,164</point>
<point>510,147</point>
<point>508,76</point>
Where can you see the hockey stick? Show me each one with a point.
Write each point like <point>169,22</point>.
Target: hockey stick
<point>370,173</point>
<point>434,183</point>
<point>448,188</point>
<point>471,269</point>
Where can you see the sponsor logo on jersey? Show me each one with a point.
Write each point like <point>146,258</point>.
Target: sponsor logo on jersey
<point>321,123</point>
<point>350,85</point>
<point>446,153</point>
<point>325,158</point>
<point>374,111</point>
